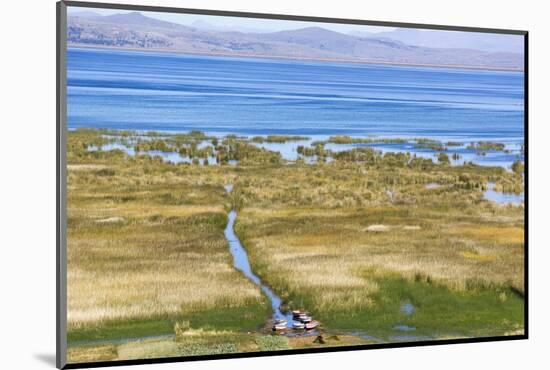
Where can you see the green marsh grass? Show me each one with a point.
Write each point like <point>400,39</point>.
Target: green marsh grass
<point>350,241</point>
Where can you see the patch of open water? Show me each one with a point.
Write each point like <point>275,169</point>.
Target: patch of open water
<point>503,198</point>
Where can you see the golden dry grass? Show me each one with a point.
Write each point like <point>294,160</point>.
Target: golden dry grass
<point>329,253</point>
<point>337,246</point>
<point>503,235</point>
<point>148,251</point>
<point>93,353</point>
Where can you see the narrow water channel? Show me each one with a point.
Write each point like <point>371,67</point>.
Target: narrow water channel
<point>241,263</point>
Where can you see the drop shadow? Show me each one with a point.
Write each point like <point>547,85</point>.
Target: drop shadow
<point>46,358</point>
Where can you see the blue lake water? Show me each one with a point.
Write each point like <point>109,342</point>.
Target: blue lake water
<point>503,198</point>
<point>252,96</point>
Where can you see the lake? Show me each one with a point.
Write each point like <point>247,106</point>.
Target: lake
<point>251,96</point>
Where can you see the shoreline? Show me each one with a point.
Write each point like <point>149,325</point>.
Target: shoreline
<point>272,57</point>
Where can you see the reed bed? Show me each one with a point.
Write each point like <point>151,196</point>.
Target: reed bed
<point>350,241</point>
<point>335,242</point>
<point>146,248</point>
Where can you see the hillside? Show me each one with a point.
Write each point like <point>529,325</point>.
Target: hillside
<point>134,30</point>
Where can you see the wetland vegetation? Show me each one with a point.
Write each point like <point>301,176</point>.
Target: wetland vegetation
<point>351,237</point>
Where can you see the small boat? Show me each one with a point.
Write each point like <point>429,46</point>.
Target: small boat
<point>297,313</point>
<point>304,318</point>
<point>298,325</point>
<point>279,327</point>
<point>279,324</point>
<point>312,325</point>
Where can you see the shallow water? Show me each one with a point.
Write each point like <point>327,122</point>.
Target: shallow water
<point>241,263</point>
<point>168,157</point>
<point>404,328</point>
<point>409,338</point>
<point>113,146</point>
<point>407,308</point>
<point>288,151</point>
<point>503,198</point>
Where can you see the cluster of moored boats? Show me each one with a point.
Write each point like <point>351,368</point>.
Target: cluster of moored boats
<point>301,320</point>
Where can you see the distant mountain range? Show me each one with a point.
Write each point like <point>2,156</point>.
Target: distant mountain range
<point>489,42</point>
<point>136,31</point>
